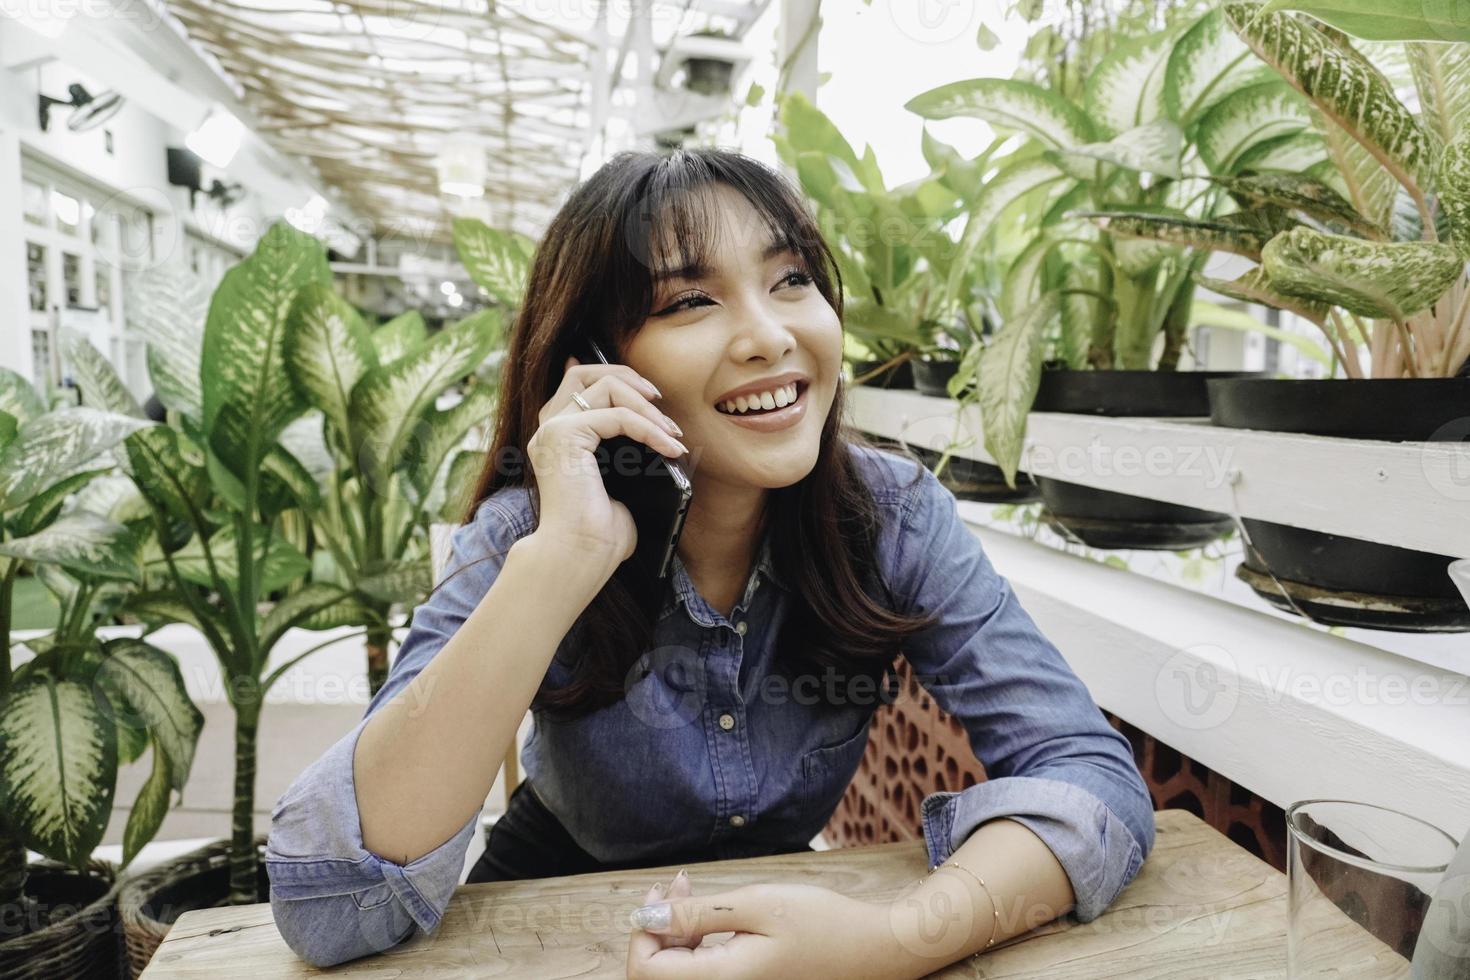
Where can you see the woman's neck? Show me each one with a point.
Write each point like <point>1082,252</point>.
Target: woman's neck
<point>720,538</point>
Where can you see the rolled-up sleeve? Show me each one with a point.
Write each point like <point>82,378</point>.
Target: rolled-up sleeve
<point>1053,762</point>
<point>333,900</point>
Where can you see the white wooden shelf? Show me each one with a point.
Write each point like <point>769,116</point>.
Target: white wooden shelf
<point>1414,495</point>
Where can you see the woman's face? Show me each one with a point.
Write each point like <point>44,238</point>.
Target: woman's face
<point>751,319</point>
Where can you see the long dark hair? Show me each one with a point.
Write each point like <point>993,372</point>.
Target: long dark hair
<point>591,274</point>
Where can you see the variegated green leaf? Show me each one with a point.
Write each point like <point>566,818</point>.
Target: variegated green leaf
<point>1454,190</point>
<point>1247,118</point>
<point>145,690</point>
<point>149,808</point>
<point>44,506</point>
<point>114,496</point>
<point>445,431</point>
<point>160,606</point>
<point>131,742</point>
<point>1013,181</point>
<point>1372,279</point>
<point>1022,285</point>
<point>100,386</point>
<point>283,565</point>
<point>1303,194</point>
<point>1009,373</point>
<point>1354,172</point>
<point>53,446</point>
<point>1442,76</point>
<point>1253,287</point>
<point>396,581</point>
<point>1386,20</point>
<point>8,428</point>
<point>287,483</point>
<point>166,305</point>
<point>1152,148</point>
<point>493,259</point>
<point>1010,104</point>
<point>1126,89</point>
<point>306,440</point>
<point>248,397</point>
<point>1295,154</point>
<point>458,484</point>
<point>312,600</point>
<point>327,350</point>
<point>58,766</point>
<point>84,544</point>
<point>399,335</point>
<point>1207,64</point>
<point>389,403</point>
<point>18,397</point>
<point>162,475</point>
<point>1345,88</point>
<point>1215,234</point>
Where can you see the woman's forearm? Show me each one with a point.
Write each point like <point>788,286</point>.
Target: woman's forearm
<point>949,916</point>
<point>426,760</point>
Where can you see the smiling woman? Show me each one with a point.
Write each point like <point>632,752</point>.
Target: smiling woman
<point>725,720</point>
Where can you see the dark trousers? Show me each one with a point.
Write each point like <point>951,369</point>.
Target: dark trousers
<point>529,842</point>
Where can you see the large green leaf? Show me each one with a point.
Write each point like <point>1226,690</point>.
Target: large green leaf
<point>445,431</point>
<point>1152,148</point>
<point>493,259</point>
<point>1442,77</point>
<point>808,128</point>
<point>399,336</point>
<point>83,543</point>
<point>1014,181</point>
<point>296,609</point>
<point>1207,64</point>
<point>1372,279</point>
<point>166,306</point>
<point>1454,190</point>
<point>18,397</point>
<point>389,403</point>
<point>149,808</point>
<point>1126,88</point>
<point>44,506</point>
<point>396,581</point>
<point>1298,153</point>
<point>248,397</point>
<point>51,447</point>
<point>284,564</point>
<point>1355,172</point>
<point>145,690</point>
<point>1011,104</point>
<point>58,766</point>
<point>1009,373</point>
<point>1253,287</point>
<point>159,607</point>
<point>327,350</point>
<point>1247,118</point>
<point>1296,193</point>
<point>1346,88</point>
<point>1217,234</point>
<point>163,476</point>
<point>1386,20</point>
<point>459,481</point>
<point>100,386</point>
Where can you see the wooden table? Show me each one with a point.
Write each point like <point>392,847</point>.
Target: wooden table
<point>1200,907</point>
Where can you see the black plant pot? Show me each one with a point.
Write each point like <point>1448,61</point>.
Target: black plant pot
<point>1109,520</point>
<point>971,479</point>
<point>69,927</point>
<point>932,377</point>
<point>899,377</point>
<point>708,76</point>
<point>1334,579</point>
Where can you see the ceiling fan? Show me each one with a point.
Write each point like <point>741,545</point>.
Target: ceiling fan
<point>87,110</point>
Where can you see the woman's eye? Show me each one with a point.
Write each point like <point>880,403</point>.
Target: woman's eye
<point>801,279</point>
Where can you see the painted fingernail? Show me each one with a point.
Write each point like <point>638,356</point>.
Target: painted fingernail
<point>673,426</point>
<point>653,388</point>
<point>682,874</point>
<point>659,915</point>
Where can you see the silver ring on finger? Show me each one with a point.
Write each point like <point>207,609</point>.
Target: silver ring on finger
<point>582,403</point>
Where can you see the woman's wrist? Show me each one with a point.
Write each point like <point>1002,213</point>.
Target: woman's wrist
<point>577,572</point>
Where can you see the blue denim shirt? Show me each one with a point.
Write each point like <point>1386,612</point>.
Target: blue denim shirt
<point>746,763</point>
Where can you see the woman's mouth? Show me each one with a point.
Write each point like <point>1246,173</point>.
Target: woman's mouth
<point>787,404</point>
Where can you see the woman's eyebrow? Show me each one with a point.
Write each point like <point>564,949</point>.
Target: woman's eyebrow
<point>696,271</point>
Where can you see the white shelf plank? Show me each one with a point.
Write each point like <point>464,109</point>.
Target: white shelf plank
<point>1414,495</point>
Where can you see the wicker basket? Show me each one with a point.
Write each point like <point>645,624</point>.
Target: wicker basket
<point>150,902</point>
<point>81,946</point>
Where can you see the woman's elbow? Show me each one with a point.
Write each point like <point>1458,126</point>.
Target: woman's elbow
<point>333,929</point>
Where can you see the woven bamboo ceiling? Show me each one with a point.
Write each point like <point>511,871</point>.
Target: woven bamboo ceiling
<point>368,90</point>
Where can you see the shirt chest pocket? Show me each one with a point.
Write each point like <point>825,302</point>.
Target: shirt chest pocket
<point>826,771</point>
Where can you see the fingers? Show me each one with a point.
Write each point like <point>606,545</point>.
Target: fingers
<point>620,421</point>
<point>680,887</point>
<point>642,944</point>
<point>610,390</point>
<point>694,918</point>
<point>583,375</point>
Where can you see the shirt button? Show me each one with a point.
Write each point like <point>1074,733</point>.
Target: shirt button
<point>740,627</point>
<point>737,821</point>
<point>727,721</point>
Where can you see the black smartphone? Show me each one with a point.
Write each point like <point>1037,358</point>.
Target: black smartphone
<point>655,489</point>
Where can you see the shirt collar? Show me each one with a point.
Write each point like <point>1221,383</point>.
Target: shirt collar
<point>683,586</point>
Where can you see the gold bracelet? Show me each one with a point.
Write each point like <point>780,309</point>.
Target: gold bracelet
<point>994,909</point>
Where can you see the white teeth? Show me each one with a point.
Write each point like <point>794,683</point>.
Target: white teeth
<point>766,400</point>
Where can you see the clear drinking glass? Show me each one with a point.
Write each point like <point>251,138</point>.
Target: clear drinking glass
<point>1360,878</point>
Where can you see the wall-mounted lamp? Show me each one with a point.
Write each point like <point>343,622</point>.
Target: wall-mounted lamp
<point>87,110</point>
<point>217,138</point>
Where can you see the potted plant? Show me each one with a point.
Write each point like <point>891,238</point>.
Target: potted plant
<point>82,706</point>
<point>706,75</point>
<point>1385,285</point>
<point>1123,312</point>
